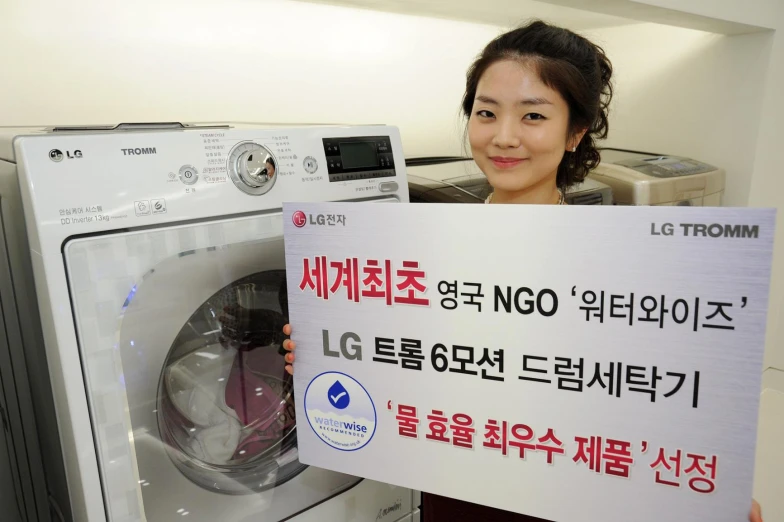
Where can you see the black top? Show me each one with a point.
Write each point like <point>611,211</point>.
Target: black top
<point>442,509</point>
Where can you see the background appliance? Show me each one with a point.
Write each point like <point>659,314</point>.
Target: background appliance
<point>639,178</point>
<point>459,180</point>
<point>143,292</point>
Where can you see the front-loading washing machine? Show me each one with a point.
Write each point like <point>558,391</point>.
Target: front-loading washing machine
<point>145,266</point>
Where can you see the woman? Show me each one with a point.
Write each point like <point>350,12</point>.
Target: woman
<point>536,100</point>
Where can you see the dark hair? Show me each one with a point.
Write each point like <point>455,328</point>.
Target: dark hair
<point>575,67</point>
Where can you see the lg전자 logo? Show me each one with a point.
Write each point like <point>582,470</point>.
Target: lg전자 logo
<point>340,411</point>
<point>299,219</point>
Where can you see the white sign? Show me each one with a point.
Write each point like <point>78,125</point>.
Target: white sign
<point>570,363</point>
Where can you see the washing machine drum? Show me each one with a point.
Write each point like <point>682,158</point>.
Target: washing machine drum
<point>225,401</point>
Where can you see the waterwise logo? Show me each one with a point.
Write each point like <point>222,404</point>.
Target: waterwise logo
<point>299,219</point>
<point>340,411</point>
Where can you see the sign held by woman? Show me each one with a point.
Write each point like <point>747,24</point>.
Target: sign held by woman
<point>604,367</point>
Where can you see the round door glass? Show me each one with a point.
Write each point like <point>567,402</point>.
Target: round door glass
<point>225,401</point>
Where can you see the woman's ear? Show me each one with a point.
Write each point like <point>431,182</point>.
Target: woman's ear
<point>575,139</point>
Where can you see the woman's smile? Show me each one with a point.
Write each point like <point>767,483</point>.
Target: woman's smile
<point>503,162</point>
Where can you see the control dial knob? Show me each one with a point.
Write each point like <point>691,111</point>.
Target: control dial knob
<point>252,168</point>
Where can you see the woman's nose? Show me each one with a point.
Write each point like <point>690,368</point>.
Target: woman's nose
<point>507,135</point>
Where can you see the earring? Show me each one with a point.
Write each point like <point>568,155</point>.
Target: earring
<point>574,149</point>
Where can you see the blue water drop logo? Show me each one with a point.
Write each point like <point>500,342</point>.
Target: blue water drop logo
<point>338,396</point>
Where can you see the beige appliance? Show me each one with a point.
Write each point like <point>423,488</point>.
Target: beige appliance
<point>459,180</point>
<point>638,178</point>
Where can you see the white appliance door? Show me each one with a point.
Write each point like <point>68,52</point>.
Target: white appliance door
<point>192,411</point>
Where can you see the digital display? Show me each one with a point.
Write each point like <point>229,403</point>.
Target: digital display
<point>358,154</point>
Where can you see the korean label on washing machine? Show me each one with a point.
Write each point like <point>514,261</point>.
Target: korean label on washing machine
<point>81,214</point>
<point>571,363</point>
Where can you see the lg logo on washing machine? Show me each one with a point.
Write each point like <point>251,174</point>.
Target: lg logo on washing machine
<point>340,411</point>
<point>57,156</point>
<point>300,219</point>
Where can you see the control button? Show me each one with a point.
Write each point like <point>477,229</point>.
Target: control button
<point>189,175</point>
<point>256,166</point>
<point>158,206</point>
<point>252,168</point>
<point>142,207</point>
<point>388,186</point>
<point>383,148</point>
<point>338,164</point>
<point>332,164</point>
<point>310,164</point>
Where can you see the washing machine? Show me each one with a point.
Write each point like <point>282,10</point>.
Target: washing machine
<point>144,278</point>
<point>459,180</point>
<point>642,178</point>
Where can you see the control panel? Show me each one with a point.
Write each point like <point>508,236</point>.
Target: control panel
<point>665,166</point>
<point>166,174</point>
<point>356,158</point>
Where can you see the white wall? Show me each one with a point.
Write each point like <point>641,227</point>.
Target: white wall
<point>680,91</point>
<point>109,61</point>
<point>766,189</point>
<point>105,61</point>
<point>758,13</point>
<point>767,186</point>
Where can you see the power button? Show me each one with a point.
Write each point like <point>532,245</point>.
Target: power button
<point>388,186</point>
<point>188,174</point>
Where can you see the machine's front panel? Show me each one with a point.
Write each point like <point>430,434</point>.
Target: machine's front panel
<point>143,242</point>
<point>192,409</point>
<point>81,183</point>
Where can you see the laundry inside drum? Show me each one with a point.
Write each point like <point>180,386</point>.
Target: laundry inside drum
<point>225,401</point>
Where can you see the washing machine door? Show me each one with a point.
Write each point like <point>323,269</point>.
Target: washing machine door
<point>180,333</point>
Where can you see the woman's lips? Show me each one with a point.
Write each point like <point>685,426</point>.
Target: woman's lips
<point>506,163</point>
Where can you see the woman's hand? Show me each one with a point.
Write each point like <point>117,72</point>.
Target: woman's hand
<point>289,346</point>
<point>756,512</point>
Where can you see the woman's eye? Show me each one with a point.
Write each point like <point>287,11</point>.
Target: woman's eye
<point>534,116</point>
<point>485,114</point>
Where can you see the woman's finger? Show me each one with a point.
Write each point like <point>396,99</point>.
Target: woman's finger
<point>289,345</point>
<point>756,512</point>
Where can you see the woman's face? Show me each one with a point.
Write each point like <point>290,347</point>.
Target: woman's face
<point>518,128</point>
